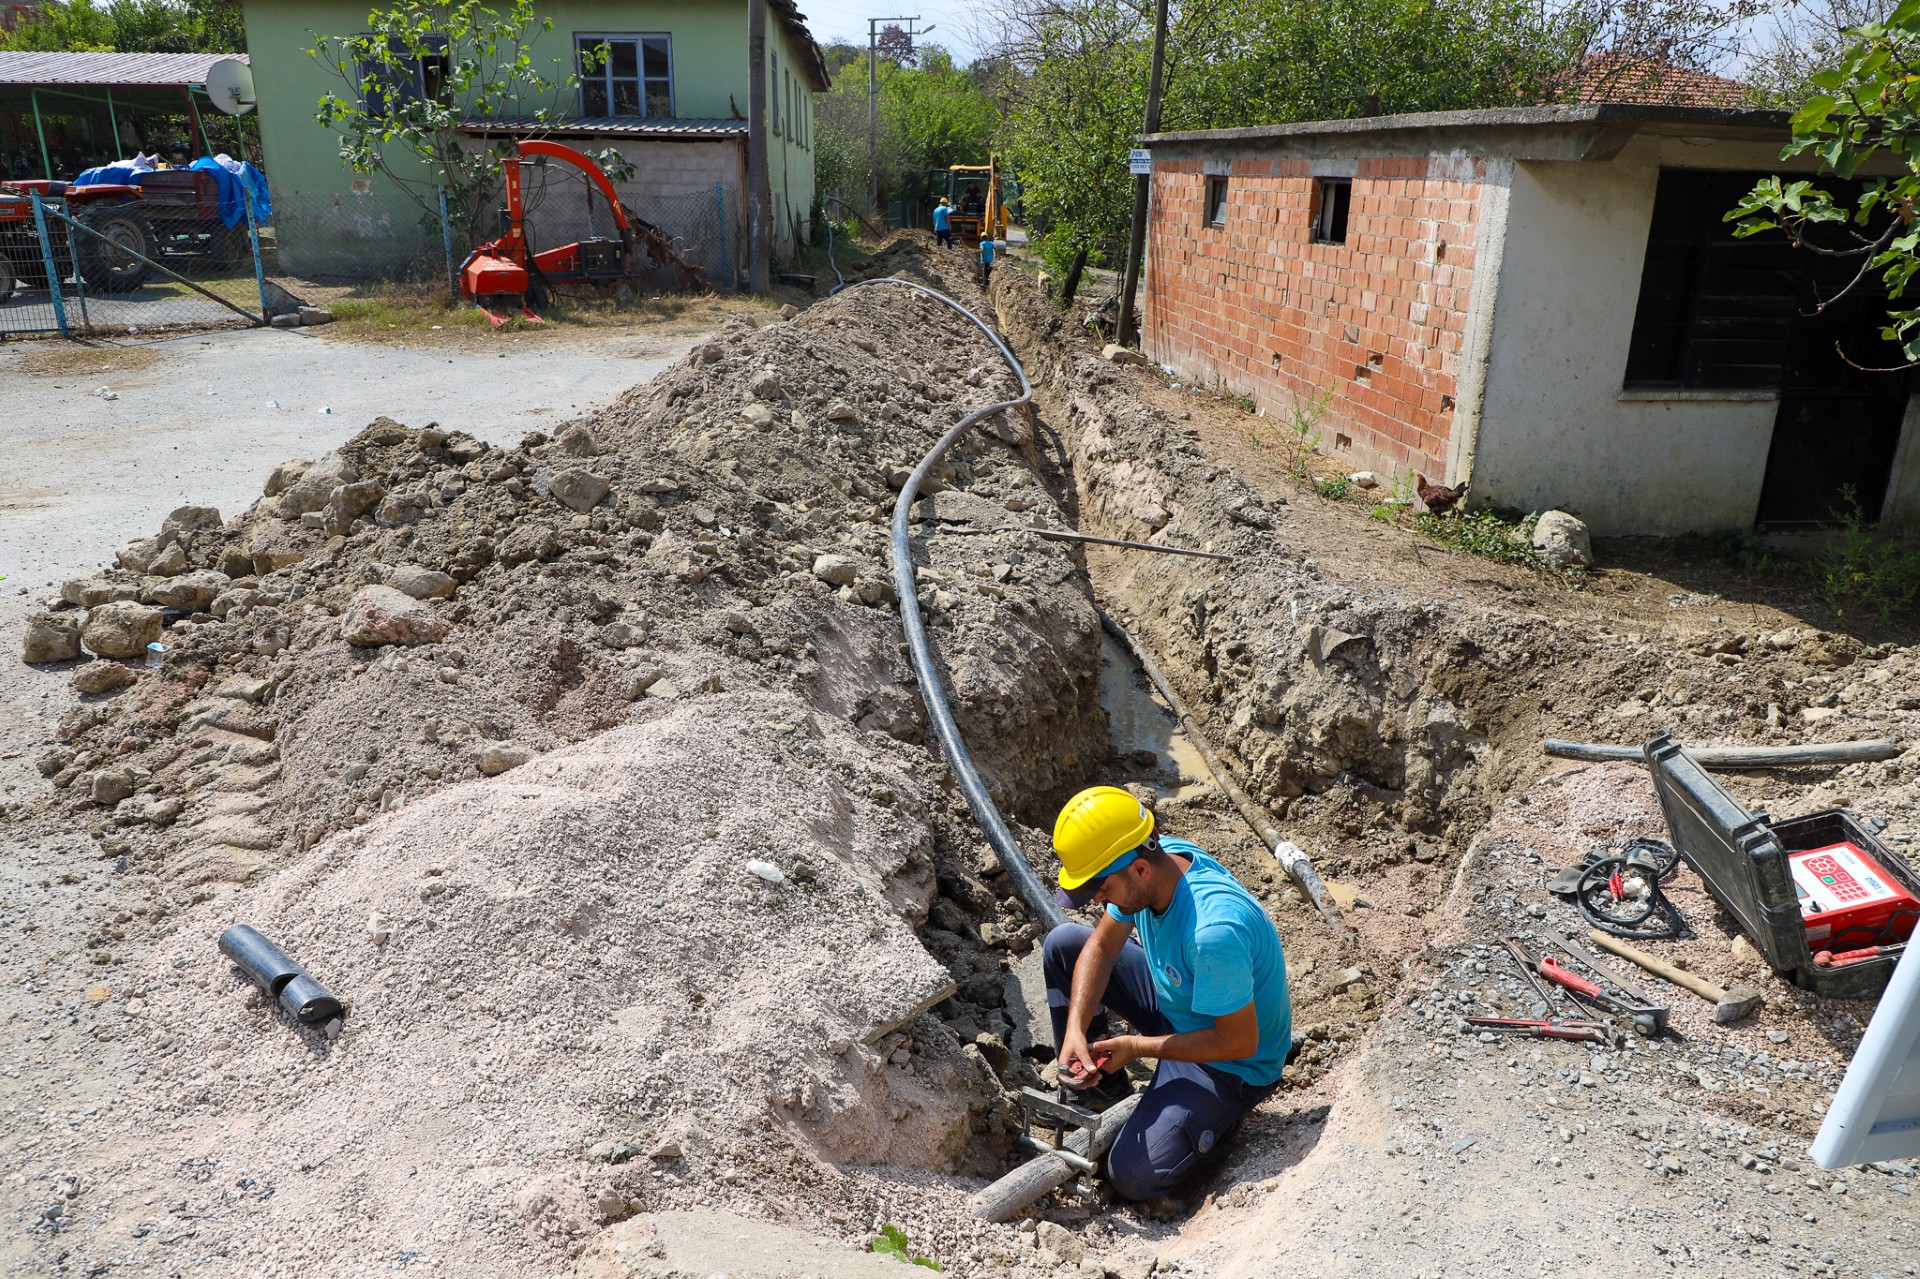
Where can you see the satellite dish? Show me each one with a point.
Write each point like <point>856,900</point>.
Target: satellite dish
<point>229,83</point>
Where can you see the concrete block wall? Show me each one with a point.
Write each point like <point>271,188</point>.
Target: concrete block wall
<point>1259,308</point>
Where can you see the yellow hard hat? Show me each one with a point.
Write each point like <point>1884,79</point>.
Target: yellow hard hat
<point>1095,829</point>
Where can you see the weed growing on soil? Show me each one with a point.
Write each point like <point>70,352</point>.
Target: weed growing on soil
<point>892,1242</point>
<point>1334,487</point>
<point>1866,569</point>
<point>1303,430</point>
<point>1486,533</point>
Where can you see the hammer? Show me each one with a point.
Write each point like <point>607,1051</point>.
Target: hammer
<point>1728,1005</point>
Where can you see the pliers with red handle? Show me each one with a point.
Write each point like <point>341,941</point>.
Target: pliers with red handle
<point>1591,1031</point>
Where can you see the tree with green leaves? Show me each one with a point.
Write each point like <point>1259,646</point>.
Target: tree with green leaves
<point>422,69</point>
<point>129,26</point>
<point>1862,122</point>
<point>930,116</point>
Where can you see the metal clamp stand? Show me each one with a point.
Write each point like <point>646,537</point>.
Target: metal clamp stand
<point>1058,1116</point>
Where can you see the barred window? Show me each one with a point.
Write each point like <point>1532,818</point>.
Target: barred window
<point>625,75</point>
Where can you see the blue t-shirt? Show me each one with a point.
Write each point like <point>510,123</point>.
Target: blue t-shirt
<point>940,215</point>
<point>1213,952</point>
<point>986,255</point>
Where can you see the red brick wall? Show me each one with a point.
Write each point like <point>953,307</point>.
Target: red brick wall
<point>1259,308</point>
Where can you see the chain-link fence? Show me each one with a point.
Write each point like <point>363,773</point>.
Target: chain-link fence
<point>176,254</point>
<point>181,253</point>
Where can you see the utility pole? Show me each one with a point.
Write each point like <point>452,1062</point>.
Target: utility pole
<point>1143,183</point>
<point>759,182</point>
<point>905,26</point>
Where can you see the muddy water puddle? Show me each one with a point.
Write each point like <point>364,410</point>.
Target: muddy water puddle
<point>1137,720</point>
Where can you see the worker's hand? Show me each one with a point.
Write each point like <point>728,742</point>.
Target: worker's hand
<point>1115,1053</point>
<point>1076,1061</point>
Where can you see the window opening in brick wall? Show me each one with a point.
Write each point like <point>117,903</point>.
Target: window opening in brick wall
<point>1216,201</point>
<point>1332,198</point>
<point>414,71</point>
<point>625,75</point>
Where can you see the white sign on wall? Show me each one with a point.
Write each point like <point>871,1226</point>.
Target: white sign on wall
<point>1140,162</point>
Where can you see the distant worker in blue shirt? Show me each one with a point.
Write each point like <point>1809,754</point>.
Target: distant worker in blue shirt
<point>943,223</point>
<point>1204,984</point>
<point>986,259</point>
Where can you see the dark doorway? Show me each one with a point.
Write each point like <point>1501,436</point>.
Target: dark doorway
<point>1720,313</point>
<point>1838,425</point>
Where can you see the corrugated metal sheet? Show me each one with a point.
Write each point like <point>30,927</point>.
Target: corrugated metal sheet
<point>109,69</point>
<point>616,126</point>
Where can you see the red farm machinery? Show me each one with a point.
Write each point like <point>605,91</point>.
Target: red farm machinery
<point>512,272</point>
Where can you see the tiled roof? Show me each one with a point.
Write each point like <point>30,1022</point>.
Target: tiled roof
<point>1616,77</point>
<point>621,126</point>
<point>109,69</point>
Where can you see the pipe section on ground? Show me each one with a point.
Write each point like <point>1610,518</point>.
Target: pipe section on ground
<point>1730,758</point>
<point>270,968</point>
<point>1038,899</point>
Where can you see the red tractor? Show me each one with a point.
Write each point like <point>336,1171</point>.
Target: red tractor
<point>510,270</point>
<point>171,213</point>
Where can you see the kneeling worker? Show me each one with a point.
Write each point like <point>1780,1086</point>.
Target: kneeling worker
<point>1205,985</point>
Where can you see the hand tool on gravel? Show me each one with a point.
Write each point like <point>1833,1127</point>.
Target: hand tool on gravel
<point>1592,1032</point>
<point>1657,1014</point>
<point>1642,1016</point>
<point>1522,958</point>
<point>1728,1005</point>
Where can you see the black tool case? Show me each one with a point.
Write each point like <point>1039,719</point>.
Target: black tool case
<point>1742,858</point>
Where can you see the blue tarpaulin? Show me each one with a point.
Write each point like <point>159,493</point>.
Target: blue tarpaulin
<point>229,185</point>
<point>233,205</point>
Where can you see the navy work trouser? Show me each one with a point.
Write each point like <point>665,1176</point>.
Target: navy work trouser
<point>1188,1109</point>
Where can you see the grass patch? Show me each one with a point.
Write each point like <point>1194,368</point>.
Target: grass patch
<point>407,310</point>
<point>70,361</point>
<point>1865,569</point>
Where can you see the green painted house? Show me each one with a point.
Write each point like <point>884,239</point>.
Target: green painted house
<point>671,92</point>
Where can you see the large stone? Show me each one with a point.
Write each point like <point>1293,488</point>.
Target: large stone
<point>285,476</point>
<point>192,519</point>
<point>420,583</point>
<point>579,490</point>
<point>103,677</point>
<point>51,637</point>
<point>497,757</point>
<point>121,629</point>
<point>381,615</point>
<point>1562,541</point>
<point>314,489</point>
<point>577,441</point>
<point>836,570</point>
<point>272,546</point>
<point>190,592</point>
<point>111,785</point>
<point>101,588</point>
<point>169,562</point>
<point>349,502</point>
<point>1114,353</point>
<point>136,555</point>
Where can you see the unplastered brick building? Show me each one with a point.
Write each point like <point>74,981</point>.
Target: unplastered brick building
<point>1546,302</point>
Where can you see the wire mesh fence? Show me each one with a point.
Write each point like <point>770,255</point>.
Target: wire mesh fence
<point>176,255</point>
<point>114,261</point>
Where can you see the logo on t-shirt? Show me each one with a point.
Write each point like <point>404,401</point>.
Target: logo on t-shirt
<point>1172,975</point>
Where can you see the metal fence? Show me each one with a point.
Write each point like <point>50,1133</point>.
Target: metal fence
<point>125,264</point>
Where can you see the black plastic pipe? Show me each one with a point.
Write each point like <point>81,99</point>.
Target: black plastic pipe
<point>270,969</point>
<point>1039,900</point>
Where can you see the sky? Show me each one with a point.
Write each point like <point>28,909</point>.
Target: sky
<point>847,20</point>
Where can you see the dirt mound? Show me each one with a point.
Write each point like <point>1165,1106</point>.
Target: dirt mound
<point>489,737</point>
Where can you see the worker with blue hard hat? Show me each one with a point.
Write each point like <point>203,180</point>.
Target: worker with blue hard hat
<point>1191,960</point>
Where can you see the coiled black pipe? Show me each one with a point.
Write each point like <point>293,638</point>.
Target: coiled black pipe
<point>1038,898</point>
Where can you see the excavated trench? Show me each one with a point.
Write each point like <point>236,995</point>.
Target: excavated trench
<point>650,786</point>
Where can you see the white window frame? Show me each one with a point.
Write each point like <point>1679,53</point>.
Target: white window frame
<point>605,72</point>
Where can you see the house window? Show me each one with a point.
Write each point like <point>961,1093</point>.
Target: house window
<point>625,75</point>
<point>1332,198</point>
<point>408,73</point>
<point>1216,201</point>
<point>1715,313</point>
<point>776,93</point>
